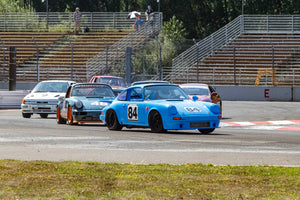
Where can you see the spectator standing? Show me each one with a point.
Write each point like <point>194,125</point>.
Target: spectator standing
<point>77,18</point>
<point>149,13</point>
<point>138,23</point>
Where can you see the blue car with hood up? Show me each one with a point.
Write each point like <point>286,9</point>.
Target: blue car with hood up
<point>160,107</point>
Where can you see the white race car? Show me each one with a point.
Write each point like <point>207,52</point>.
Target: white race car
<point>43,98</point>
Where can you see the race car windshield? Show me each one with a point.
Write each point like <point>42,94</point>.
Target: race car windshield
<point>92,92</point>
<point>61,87</point>
<point>164,92</point>
<point>196,91</point>
<point>112,81</point>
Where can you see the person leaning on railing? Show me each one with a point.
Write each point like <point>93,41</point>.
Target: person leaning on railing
<point>77,18</point>
<point>138,23</point>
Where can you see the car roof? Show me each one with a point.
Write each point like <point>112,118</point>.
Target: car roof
<point>193,85</point>
<point>108,77</point>
<point>150,82</point>
<point>90,84</point>
<point>59,81</point>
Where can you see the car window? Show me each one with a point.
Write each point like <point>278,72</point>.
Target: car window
<point>112,81</point>
<point>61,87</point>
<point>122,96</point>
<point>94,91</point>
<point>196,91</point>
<point>164,92</point>
<point>135,94</point>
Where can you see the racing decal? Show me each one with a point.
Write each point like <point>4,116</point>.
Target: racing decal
<point>192,109</point>
<point>96,103</point>
<point>132,112</point>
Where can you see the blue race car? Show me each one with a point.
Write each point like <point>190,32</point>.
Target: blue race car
<point>83,103</point>
<point>161,107</point>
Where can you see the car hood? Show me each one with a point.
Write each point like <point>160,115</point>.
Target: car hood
<point>94,103</point>
<point>44,95</point>
<point>205,98</point>
<point>190,107</point>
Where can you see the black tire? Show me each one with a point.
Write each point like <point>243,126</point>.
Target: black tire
<point>26,115</point>
<point>206,131</point>
<point>43,115</point>
<point>59,119</point>
<point>112,121</point>
<point>155,122</point>
<point>70,117</point>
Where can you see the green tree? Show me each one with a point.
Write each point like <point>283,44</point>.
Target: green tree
<point>13,6</point>
<point>172,38</point>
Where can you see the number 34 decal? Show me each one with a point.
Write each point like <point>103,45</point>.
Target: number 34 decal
<point>132,112</point>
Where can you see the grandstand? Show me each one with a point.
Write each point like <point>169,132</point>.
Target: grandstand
<point>58,59</point>
<point>62,55</point>
<point>251,50</point>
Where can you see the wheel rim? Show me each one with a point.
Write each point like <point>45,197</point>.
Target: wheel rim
<point>69,114</point>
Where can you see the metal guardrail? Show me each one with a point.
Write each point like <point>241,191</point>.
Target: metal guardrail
<point>106,60</point>
<point>256,24</point>
<point>62,21</point>
<point>204,48</point>
<point>241,76</point>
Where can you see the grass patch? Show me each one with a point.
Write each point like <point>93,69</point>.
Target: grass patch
<point>92,180</point>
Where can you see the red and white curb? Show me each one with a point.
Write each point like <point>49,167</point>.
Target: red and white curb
<point>266,125</point>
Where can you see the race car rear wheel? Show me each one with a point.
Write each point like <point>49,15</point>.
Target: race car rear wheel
<point>43,115</point>
<point>155,122</point>
<point>59,119</point>
<point>70,117</point>
<point>26,115</point>
<point>206,131</point>
<point>112,121</point>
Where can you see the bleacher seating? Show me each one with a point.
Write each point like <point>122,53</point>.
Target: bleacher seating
<point>25,45</point>
<point>252,52</point>
<point>55,53</point>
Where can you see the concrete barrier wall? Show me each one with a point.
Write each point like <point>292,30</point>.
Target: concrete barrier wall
<point>19,85</point>
<point>258,93</point>
<point>11,99</point>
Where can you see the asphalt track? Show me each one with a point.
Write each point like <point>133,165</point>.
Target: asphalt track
<point>252,133</point>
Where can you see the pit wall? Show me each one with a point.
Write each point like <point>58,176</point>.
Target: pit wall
<point>258,93</point>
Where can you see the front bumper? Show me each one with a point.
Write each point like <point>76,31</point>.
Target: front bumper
<point>86,116</point>
<point>38,109</point>
<point>192,123</point>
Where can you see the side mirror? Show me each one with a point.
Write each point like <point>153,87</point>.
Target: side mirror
<point>195,98</point>
<point>61,98</point>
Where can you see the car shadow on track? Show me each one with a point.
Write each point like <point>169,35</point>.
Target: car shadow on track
<point>172,132</point>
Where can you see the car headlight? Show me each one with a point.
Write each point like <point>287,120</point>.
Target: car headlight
<point>215,109</point>
<point>78,104</point>
<point>172,110</point>
<point>104,103</point>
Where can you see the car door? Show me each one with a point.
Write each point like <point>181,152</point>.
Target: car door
<point>134,107</point>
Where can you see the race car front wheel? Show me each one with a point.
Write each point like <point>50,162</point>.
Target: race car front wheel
<point>43,115</point>
<point>70,117</point>
<point>206,131</point>
<point>112,121</point>
<point>59,119</point>
<point>26,115</point>
<point>155,122</point>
